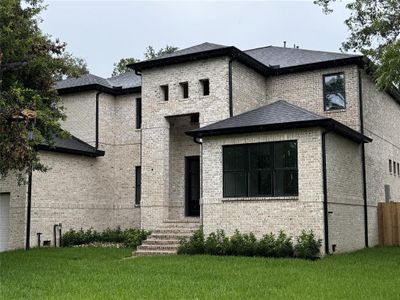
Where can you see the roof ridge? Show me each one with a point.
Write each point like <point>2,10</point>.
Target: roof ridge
<point>311,50</point>
<point>258,48</point>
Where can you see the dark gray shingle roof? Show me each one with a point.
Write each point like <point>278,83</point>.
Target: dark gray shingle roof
<point>124,81</point>
<point>194,49</point>
<point>290,57</point>
<point>72,145</point>
<point>275,116</point>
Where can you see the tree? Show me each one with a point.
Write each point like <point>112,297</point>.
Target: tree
<point>30,108</point>
<point>374,31</point>
<point>151,53</point>
<point>121,66</point>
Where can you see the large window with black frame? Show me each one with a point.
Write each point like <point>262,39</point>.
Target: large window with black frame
<point>260,170</point>
<point>334,91</point>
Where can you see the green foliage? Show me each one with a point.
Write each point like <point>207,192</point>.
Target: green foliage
<point>247,245</point>
<point>130,238</point>
<point>374,31</point>
<point>307,246</point>
<point>30,108</point>
<point>217,243</point>
<point>283,246</point>
<point>194,245</point>
<point>121,66</point>
<point>242,244</point>
<point>266,245</point>
<point>151,53</point>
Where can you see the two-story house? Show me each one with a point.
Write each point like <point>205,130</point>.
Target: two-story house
<point>261,140</point>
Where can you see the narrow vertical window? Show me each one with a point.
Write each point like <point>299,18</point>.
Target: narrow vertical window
<point>165,92</point>
<point>394,168</point>
<point>398,169</point>
<point>205,86</point>
<point>390,166</point>
<point>138,113</point>
<point>184,89</point>
<point>138,184</point>
<point>334,91</point>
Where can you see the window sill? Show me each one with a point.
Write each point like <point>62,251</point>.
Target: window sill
<point>136,206</point>
<point>260,198</point>
<point>333,111</point>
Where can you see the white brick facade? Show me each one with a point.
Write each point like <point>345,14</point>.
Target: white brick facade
<point>99,192</point>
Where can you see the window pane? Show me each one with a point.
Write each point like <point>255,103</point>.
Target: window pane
<point>235,158</point>
<point>260,156</point>
<point>286,182</point>
<point>286,155</point>
<point>235,184</point>
<point>334,95</point>
<point>260,183</point>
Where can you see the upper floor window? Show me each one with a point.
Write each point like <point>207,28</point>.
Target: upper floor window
<point>390,166</point>
<point>184,89</point>
<point>138,113</point>
<point>165,92</point>
<point>263,169</point>
<point>334,91</point>
<point>205,85</point>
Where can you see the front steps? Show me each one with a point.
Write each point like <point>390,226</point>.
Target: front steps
<point>165,239</point>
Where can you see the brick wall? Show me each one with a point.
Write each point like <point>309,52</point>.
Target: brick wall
<point>345,193</point>
<point>156,128</point>
<point>382,124</point>
<point>305,89</point>
<point>265,215</point>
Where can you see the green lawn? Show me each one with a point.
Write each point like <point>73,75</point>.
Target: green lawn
<point>93,273</point>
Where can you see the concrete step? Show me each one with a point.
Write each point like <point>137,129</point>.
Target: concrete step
<point>188,231</point>
<point>172,247</point>
<point>169,236</point>
<point>153,241</point>
<point>153,252</point>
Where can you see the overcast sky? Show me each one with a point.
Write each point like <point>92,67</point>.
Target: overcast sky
<point>102,32</point>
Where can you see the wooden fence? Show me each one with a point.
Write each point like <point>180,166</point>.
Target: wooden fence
<point>389,223</point>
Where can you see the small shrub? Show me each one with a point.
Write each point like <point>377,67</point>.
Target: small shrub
<point>283,246</point>
<point>195,244</point>
<point>265,246</point>
<point>242,244</point>
<point>216,243</point>
<point>307,246</point>
<point>130,238</point>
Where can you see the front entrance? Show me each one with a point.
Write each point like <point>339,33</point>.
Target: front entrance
<point>192,186</point>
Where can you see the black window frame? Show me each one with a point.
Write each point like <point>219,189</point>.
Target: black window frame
<point>138,113</point>
<point>138,185</point>
<point>394,168</point>
<point>205,85</point>
<point>165,91</point>
<point>248,170</point>
<point>184,86</point>
<point>398,169</point>
<point>325,92</point>
<point>390,166</point>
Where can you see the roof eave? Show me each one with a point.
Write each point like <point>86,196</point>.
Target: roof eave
<point>328,124</point>
<point>357,60</point>
<point>227,51</point>
<point>100,88</point>
<point>94,153</point>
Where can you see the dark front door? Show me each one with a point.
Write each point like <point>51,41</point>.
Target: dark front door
<point>192,189</point>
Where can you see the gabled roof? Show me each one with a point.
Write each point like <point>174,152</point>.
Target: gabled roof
<point>276,116</point>
<point>282,57</point>
<point>124,83</point>
<point>72,145</point>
